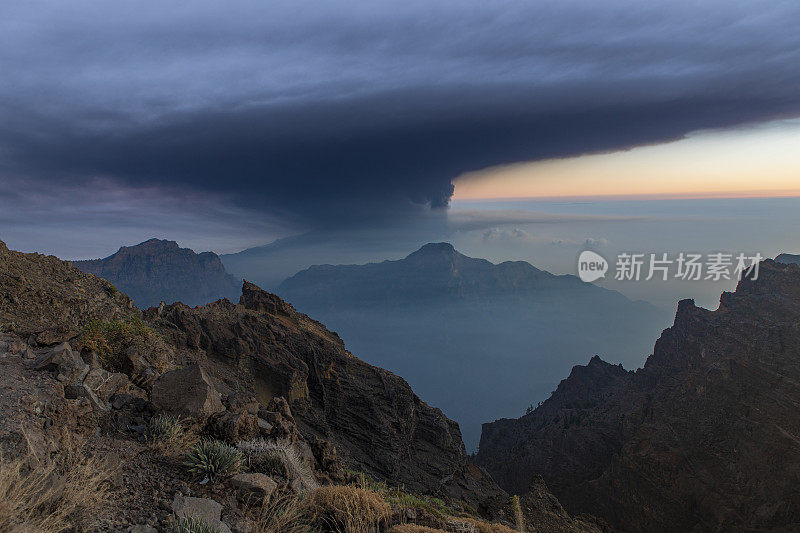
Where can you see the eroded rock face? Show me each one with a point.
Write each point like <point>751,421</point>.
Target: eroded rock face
<point>704,437</point>
<point>187,392</point>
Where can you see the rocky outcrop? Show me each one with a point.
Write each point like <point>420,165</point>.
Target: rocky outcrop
<point>49,301</point>
<point>372,416</point>
<point>159,270</point>
<point>187,392</point>
<point>705,437</point>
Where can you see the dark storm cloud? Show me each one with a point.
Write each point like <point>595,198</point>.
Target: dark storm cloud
<point>340,112</point>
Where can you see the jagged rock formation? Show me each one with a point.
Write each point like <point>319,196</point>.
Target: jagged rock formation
<point>705,437</point>
<point>440,316</point>
<point>159,270</point>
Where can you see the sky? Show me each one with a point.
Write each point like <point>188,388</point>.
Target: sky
<point>229,125</point>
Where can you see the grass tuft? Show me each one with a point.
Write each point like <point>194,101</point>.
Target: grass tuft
<point>54,495</point>
<point>281,515</point>
<point>278,458</point>
<point>192,524</point>
<point>166,433</point>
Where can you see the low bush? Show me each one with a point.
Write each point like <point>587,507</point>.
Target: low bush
<point>472,525</point>
<point>278,458</point>
<point>109,340</point>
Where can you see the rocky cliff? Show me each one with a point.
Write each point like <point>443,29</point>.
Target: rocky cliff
<point>159,270</point>
<point>705,437</point>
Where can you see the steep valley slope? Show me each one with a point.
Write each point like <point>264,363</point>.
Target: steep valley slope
<point>480,340</point>
<point>705,437</point>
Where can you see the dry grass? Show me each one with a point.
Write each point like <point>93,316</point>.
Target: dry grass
<point>166,434</point>
<point>518,518</point>
<point>51,496</point>
<point>472,525</point>
<point>260,452</point>
<point>346,509</point>
<point>281,515</point>
<point>414,528</point>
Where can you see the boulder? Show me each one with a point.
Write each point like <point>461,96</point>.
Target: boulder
<point>105,384</point>
<point>253,485</point>
<point>234,426</point>
<point>187,392</point>
<point>203,508</point>
<point>80,390</point>
<point>55,335</point>
<point>71,368</point>
<point>17,347</point>
<point>277,422</point>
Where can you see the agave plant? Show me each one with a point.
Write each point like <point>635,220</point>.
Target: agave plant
<point>213,458</point>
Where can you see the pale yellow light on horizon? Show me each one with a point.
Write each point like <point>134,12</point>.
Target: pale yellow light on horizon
<point>757,161</point>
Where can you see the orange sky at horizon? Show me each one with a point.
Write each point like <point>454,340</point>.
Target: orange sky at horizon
<point>757,161</point>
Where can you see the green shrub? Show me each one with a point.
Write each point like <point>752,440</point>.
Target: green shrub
<point>109,340</point>
<point>191,524</point>
<point>213,458</point>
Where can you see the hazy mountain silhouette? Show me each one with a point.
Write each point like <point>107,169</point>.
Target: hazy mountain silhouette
<point>788,259</point>
<point>157,270</point>
<point>477,339</point>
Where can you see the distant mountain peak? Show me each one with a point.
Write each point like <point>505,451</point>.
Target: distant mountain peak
<point>153,245</point>
<point>434,249</point>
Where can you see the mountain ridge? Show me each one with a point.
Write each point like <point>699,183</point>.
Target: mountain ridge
<point>158,270</point>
